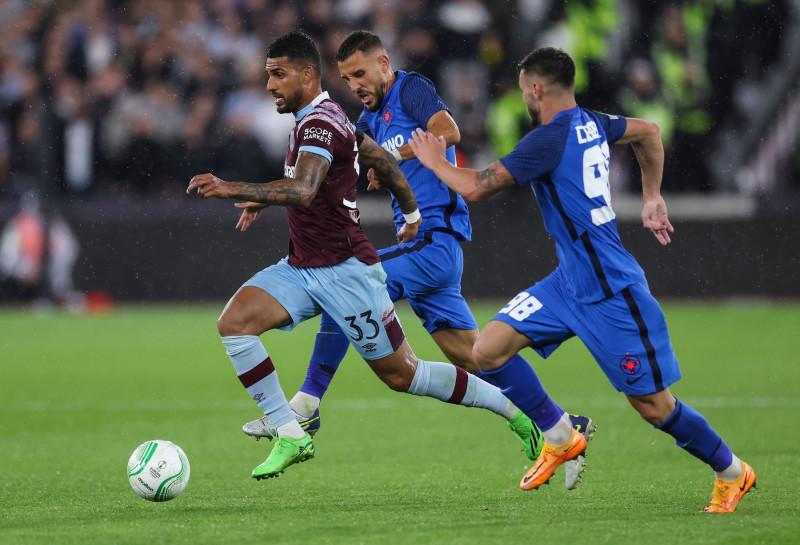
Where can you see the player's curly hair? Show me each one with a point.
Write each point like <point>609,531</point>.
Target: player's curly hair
<point>551,63</point>
<point>299,48</point>
<point>359,40</point>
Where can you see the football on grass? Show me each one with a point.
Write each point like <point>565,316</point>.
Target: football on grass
<point>158,470</point>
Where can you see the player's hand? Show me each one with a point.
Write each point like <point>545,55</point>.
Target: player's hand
<point>408,231</point>
<point>655,220</point>
<point>251,211</point>
<point>207,186</point>
<point>427,147</point>
<point>374,180</point>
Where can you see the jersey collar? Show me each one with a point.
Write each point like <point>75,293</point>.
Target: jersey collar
<point>304,112</point>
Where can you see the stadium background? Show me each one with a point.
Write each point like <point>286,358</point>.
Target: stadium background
<point>108,107</point>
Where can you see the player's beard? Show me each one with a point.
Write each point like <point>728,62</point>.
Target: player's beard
<point>291,102</point>
<point>378,93</point>
<point>536,119</point>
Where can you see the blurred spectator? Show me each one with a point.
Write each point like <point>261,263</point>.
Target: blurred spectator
<point>679,56</point>
<point>37,255</point>
<point>507,120</point>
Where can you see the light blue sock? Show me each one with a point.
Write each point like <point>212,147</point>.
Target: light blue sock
<point>452,384</point>
<point>257,374</point>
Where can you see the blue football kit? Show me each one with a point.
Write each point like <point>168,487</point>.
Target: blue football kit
<point>426,271</point>
<point>598,291</point>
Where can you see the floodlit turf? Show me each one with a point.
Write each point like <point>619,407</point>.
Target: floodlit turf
<point>79,393</point>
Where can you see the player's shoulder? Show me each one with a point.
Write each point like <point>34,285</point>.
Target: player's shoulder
<point>329,113</point>
<point>415,81</point>
<point>551,135</point>
<point>613,126</point>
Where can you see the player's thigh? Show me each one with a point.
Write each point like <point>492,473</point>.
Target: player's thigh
<point>251,311</point>
<point>429,271</point>
<point>536,314</point>
<point>287,286</point>
<point>627,334</point>
<point>354,295</point>
<point>456,345</point>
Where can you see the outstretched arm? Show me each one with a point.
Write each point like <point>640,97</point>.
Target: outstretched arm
<point>299,191</point>
<point>471,184</point>
<point>645,139</point>
<point>373,156</point>
<point>440,124</point>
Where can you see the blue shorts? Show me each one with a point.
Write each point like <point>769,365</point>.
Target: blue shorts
<point>427,271</point>
<point>352,292</point>
<point>627,333</point>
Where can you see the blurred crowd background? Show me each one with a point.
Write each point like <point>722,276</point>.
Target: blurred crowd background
<point>103,97</point>
<point>125,100</point>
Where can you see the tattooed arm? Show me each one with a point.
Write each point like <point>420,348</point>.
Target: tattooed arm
<point>299,191</point>
<point>471,184</point>
<point>372,155</point>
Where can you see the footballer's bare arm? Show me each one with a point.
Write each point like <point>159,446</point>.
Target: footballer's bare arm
<point>372,155</point>
<point>440,124</point>
<point>645,139</point>
<point>471,184</point>
<point>299,191</point>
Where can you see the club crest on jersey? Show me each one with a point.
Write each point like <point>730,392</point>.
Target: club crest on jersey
<point>387,116</point>
<point>629,365</point>
<point>354,215</point>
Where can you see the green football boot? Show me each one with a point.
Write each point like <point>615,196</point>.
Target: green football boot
<point>528,433</point>
<point>287,451</point>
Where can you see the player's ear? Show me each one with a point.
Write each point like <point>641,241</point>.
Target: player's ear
<point>308,73</point>
<point>538,89</point>
<point>383,61</point>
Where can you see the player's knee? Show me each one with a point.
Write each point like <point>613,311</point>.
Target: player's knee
<point>654,408</point>
<point>463,360</point>
<point>484,358</point>
<point>397,382</point>
<point>228,324</point>
<point>652,413</point>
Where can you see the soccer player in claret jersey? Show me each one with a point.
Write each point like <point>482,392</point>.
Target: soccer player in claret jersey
<point>425,270</point>
<point>598,291</point>
<point>331,265</point>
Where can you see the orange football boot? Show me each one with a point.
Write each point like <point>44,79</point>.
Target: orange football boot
<point>726,494</point>
<point>550,458</point>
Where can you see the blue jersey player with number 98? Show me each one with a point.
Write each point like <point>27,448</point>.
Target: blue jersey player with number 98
<point>598,292</point>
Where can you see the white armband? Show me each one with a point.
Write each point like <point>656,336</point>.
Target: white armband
<point>396,154</point>
<point>413,217</point>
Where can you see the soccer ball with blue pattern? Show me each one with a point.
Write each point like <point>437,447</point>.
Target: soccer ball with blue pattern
<point>158,470</point>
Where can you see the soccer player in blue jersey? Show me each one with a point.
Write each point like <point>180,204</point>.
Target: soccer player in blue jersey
<point>425,270</point>
<point>331,266</point>
<point>598,291</point>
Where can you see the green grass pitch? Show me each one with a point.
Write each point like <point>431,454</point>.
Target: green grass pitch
<point>78,393</point>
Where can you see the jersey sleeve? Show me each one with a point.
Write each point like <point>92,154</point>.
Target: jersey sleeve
<point>613,125</point>
<point>363,126</point>
<point>536,155</point>
<point>317,134</point>
<point>419,98</point>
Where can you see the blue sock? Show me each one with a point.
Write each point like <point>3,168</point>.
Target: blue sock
<point>522,386</point>
<point>693,433</point>
<point>330,348</point>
